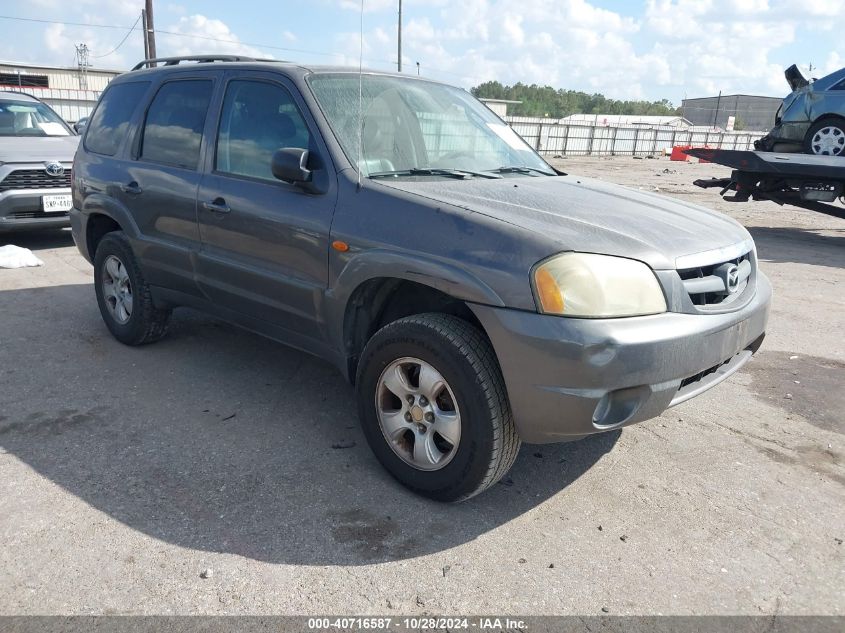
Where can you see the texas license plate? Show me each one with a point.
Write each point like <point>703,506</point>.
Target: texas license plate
<point>56,203</point>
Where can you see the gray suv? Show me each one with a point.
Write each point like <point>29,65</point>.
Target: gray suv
<point>396,227</point>
<point>36,152</point>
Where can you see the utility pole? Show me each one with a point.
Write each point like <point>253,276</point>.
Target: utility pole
<point>399,39</point>
<point>149,31</point>
<point>144,29</point>
<point>83,63</point>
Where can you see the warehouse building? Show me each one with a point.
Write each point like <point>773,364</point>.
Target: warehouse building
<point>71,92</point>
<point>732,112</point>
<point>499,106</point>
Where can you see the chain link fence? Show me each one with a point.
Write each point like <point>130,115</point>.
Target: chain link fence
<point>579,139</point>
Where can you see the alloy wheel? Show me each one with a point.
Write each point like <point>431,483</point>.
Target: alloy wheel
<point>418,413</point>
<point>117,289</point>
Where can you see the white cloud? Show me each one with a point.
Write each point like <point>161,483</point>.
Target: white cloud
<point>61,43</point>
<point>198,34</point>
<point>675,47</point>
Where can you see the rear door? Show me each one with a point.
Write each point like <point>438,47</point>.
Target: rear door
<point>162,181</point>
<point>264,242</point>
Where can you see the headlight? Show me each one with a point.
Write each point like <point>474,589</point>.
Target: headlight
<point>588,285</point>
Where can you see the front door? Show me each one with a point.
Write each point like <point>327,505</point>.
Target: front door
<point>264,250</point>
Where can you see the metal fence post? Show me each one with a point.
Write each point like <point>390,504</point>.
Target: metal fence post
<point>636,140</point>
<point>539,136</point>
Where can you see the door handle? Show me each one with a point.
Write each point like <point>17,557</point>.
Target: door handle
<point>218,205</point>
<point>132,188</point>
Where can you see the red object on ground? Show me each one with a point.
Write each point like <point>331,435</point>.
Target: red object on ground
<point>702,160</point>
<point>678,153</point>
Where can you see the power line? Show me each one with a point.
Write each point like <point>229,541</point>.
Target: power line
<point>175,33</point>
<point>224,41</point>
<point>99,26</point>
<point>125,37</point>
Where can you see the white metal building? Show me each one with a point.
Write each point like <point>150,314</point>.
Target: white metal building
<point>499,106</point>
<point>68,91</point>
<point>631,120</point>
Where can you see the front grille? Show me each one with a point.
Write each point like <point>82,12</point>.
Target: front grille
<point>33,215</point>
<point>34,179</point>
<point>707,286</point>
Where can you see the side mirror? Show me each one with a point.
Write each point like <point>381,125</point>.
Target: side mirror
<point>289,165</point>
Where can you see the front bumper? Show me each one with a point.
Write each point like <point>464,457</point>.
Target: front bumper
<point>20,209</point>
<point>567,378</point>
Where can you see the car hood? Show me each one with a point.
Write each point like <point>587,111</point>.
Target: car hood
<point>29,149</point>
<point>587,215</point>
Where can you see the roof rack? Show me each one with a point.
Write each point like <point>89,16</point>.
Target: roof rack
<point>173,61</point>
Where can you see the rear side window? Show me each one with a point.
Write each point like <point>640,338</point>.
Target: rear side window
<point>110,123</point>
<point>174,123</point>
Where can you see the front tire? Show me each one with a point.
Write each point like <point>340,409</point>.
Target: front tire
<point>433,407</point>
<point>826,137</point>
<point>123,295</point>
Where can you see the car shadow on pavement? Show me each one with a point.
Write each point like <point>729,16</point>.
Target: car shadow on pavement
<point>219,440</point>
<point>38,240</point>
<point>799,245</point>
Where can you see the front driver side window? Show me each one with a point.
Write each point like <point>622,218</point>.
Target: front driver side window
<point>258,118</point>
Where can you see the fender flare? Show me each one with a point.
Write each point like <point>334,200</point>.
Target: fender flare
<point>102,204</point>
<point>381,263</point>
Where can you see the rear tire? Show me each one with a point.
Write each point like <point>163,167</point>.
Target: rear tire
<point>452,355</point>
<point>123,295</point>
<point>826,137</point>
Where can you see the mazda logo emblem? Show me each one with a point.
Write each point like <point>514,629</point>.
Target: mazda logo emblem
<point>732,278</point>
<point>54,169</point>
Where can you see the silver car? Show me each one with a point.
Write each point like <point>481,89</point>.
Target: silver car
<point>36,154</point>
<point>811,118</point>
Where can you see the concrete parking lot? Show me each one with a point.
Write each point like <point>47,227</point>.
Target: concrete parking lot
<point>217,472</point>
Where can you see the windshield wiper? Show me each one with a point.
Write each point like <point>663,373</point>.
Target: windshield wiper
<point>432,171</point>
<point>520,169</point>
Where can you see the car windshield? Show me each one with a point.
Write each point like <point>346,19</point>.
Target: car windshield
<point>413,128</point>
<point>29,118</point>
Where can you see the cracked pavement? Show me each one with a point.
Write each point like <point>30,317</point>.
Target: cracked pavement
<point>125,473</point>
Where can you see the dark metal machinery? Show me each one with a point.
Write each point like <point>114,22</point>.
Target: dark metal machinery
<point>802,180</point>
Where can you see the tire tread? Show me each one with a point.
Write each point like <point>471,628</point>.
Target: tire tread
<point>154,321</point>
<point>475,347</point>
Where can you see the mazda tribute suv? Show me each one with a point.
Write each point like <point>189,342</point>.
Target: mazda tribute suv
<point>396,227</point>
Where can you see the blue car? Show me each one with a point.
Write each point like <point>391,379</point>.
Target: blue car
<point>811,118</point>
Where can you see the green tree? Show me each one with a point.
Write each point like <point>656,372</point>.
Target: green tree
<point>538,101</point>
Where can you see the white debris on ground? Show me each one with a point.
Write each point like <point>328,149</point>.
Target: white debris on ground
<point>12,256</point>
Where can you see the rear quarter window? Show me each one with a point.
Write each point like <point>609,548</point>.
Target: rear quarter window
<point>110,121</point>
<point>174,124</point>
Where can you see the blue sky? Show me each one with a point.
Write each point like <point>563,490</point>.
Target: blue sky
<point>648,49</point>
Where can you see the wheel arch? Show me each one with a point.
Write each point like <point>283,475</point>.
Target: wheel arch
<point>379,301</point>
<point>808,137</point>
<point>103,215</point>
<point>369,278</point>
